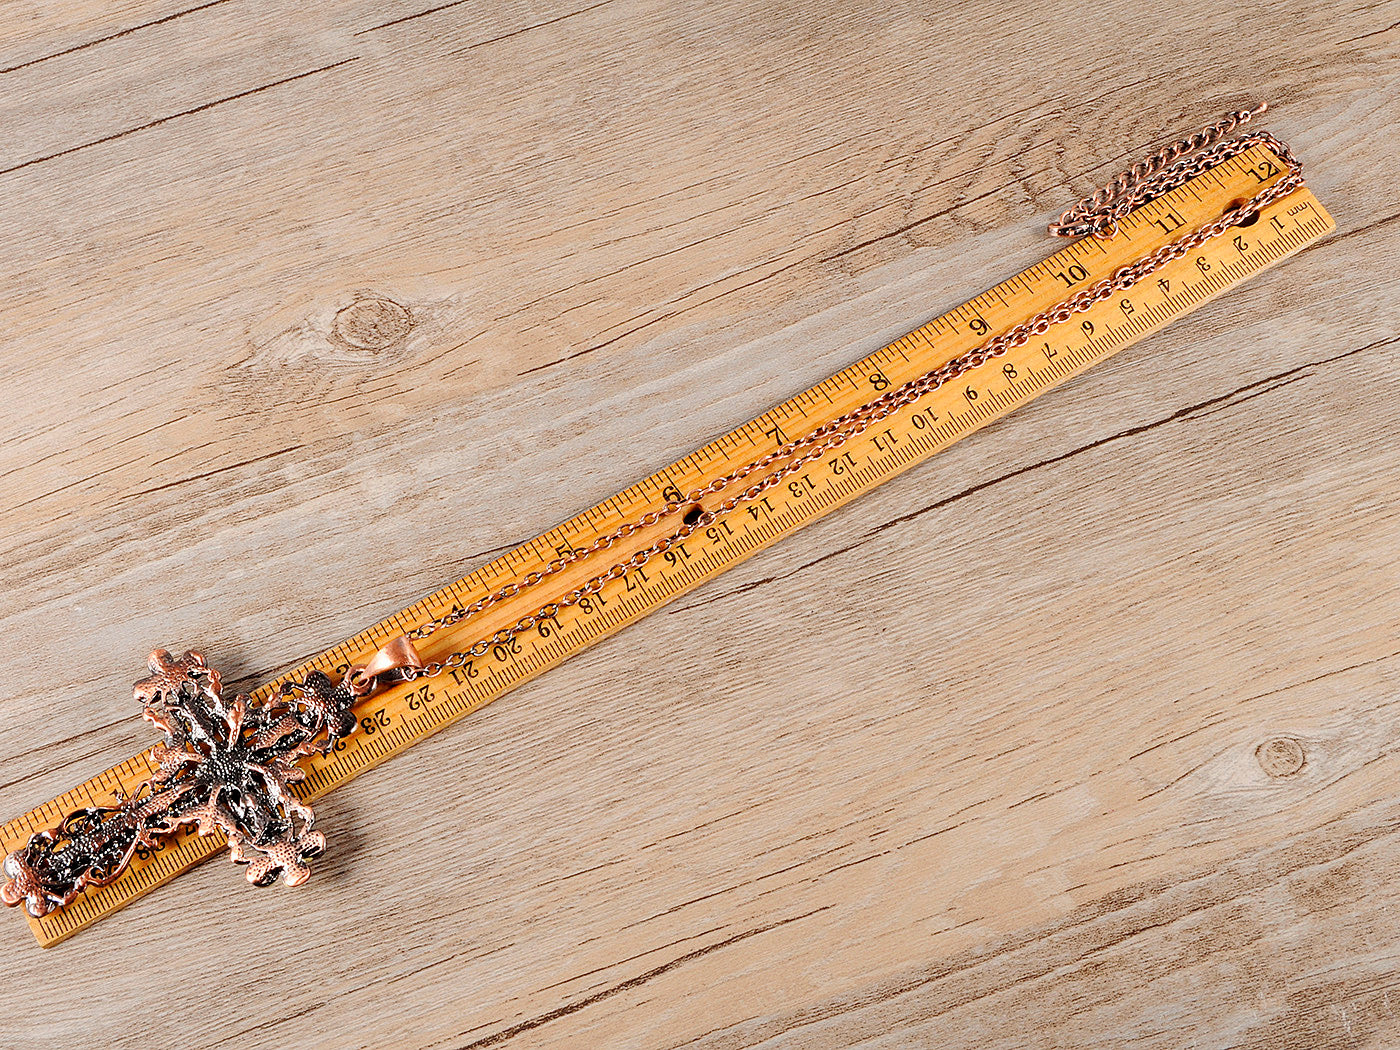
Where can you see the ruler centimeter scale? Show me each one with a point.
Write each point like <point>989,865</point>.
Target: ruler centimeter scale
<point>394,720</point>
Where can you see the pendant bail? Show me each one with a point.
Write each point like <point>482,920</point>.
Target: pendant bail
<point>396,655</point>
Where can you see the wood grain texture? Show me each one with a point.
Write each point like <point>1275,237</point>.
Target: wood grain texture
<point>1083,734</point>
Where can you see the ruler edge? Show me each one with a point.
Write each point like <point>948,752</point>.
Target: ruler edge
<point>17,830</point>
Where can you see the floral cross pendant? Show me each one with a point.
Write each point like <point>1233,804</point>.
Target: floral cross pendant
<point>225,765</point>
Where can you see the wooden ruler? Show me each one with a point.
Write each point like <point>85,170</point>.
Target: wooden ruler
<point>394,720</point>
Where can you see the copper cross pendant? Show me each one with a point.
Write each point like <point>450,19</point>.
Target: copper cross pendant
<point>224,766</point>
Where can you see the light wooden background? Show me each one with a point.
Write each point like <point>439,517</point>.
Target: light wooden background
<point>1082,735</point>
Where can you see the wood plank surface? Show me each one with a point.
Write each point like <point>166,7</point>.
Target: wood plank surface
<point>1082,735</point>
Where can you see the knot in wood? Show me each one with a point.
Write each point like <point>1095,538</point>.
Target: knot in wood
<point>1283,756</point>
<point>372,323</point>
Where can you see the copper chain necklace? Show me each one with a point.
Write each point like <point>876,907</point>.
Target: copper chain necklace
<point>226,765</point>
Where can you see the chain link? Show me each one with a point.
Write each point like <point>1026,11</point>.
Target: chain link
<point>1097,215</point>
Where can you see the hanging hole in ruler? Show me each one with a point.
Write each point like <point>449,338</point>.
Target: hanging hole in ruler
<point>692,515</point>
<point>1248,220</point>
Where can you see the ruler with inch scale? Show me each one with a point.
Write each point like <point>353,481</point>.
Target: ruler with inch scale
<point>392,721</point>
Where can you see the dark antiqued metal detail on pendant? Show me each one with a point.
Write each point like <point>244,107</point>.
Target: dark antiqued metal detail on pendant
<point>225,765</point>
